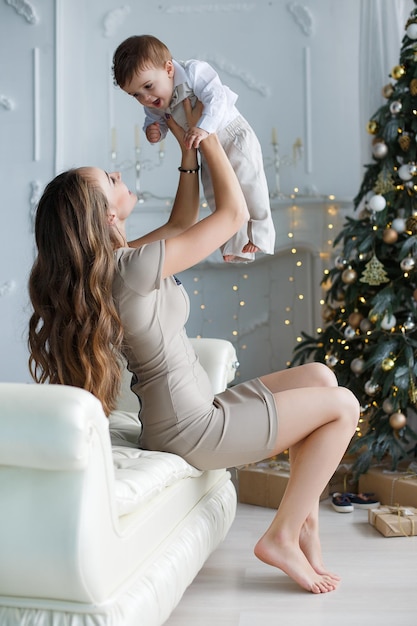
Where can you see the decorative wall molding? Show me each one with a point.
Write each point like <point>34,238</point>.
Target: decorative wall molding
<point>242,75</point>
<point>35,194</point>
<point>36,104</point>
<point>6,103</point>
<point>7,288</point>
<point>114,19</point>
<point>303,17</point>
<point>231,7</point>
<point>308,111</point>
<point>25,9</point>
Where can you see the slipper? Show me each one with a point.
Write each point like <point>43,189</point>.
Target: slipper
<point>341,503</point>
<point>363,500</point>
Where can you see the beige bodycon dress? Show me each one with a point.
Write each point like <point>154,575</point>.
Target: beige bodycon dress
<point>178,412</point>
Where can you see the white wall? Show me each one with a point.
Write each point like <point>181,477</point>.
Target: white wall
<point>294,65</point>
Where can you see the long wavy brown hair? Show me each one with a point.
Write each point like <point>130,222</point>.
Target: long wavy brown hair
<point>75,335</point>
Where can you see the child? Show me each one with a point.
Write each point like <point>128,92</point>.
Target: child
<point>143,67</point>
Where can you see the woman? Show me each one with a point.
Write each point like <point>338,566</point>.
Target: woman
<point>95,297</point>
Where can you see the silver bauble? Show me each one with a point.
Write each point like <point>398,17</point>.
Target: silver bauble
<point>357,365</point>
<point>387,406</point>
<point>340,262</point>
<point>408,264</point>
<point>371,388</point>
<point>365,325</point>
<point>399,224</point>
<point>409,324</point>
<point>332,360</point>
<point>395,107</point>
<point>349,332</point>
<point>380,150</point>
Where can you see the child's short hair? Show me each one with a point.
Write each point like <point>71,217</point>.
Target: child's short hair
<point>138,53</point>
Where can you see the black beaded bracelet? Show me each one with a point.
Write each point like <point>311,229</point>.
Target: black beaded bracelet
<point>184,171</point>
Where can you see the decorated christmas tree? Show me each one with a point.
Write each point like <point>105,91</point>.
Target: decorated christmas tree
<point>369,335</point>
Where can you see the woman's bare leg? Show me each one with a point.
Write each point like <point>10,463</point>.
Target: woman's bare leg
<point>321,420</point>
<point>314,375</point>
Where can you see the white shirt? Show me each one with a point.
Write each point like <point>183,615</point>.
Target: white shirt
<point>197,79</point>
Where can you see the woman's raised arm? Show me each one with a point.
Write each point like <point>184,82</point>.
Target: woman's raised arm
<point>200,240</point>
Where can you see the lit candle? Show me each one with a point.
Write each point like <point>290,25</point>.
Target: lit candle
<point>137,137</point>
<point>162,146</point>
<point>274,136</point>
<point>113,140</point>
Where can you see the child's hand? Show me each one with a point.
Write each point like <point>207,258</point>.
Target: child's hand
<point>153,134</point>
<point>194,136</point>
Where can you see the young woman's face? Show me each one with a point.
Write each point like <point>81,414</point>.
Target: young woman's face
<point>152,87</point>
<point>121,200</point>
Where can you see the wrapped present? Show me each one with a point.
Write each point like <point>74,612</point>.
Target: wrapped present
<point>391,488</point>
<point>343,479</point>
<point>264,483</point>
<point>394,521</point>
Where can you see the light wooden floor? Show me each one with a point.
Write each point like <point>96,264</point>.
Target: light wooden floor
<point>378,588</point>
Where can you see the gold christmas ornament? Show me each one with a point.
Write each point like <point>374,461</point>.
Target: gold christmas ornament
<point>387,90</point>
<point>411,224</point>
<point>384,183</point>
<point>390,235</point>
<point>398,71</point>
<point>372,127</point>
<point>374,273</point>
<point>355,319</point>
<point>405,142</point>
<point>413,87</point>
<point>327,313</point>
<point>387,364</point>
<point>397,420</point>
<point>349,276</point>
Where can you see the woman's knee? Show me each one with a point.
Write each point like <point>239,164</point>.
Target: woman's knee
<point>349,406</point>
<point>320,375</point>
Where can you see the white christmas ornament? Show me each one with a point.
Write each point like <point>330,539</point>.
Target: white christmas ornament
<point>388,322</point>
<point>377,203</point>
<point>398,224</point>
<point>404,172</point>
<point>412,31</point>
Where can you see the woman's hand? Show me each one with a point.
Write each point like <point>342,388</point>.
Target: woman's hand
<point>192,116</point>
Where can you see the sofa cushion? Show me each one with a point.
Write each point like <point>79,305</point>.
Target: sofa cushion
<point>143,474</point>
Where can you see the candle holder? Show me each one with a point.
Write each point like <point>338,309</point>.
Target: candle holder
<point>138,164</point>
<point>278,162</point>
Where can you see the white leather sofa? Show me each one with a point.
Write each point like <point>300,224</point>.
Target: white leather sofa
<point>94,531</point>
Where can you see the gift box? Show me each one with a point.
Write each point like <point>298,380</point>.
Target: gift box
<point>264,483</point>
<point>394,521</point>
<point>343,479</point>
<point>391,488</point>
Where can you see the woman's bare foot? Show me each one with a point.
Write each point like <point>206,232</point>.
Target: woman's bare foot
<point>310,546</point>
<point>288,557</point>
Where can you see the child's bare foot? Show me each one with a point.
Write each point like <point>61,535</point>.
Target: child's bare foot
<point>288,557</point>
<point>229,258</point>
<point>310,545</point>
<point>250,247</point>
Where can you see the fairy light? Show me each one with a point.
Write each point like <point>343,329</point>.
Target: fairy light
<point>245,315</point>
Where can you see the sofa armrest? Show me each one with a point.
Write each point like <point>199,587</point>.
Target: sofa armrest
<point>47,427</point>
<point>219,359</point>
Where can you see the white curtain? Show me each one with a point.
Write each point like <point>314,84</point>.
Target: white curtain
<point>381,33</point>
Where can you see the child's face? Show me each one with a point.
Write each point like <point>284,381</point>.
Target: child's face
<point>152,87</point>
